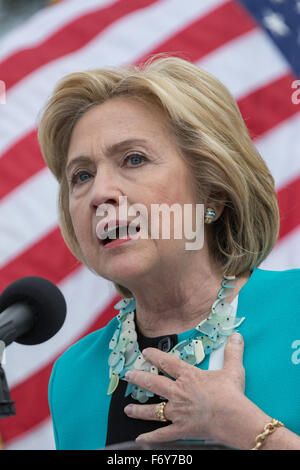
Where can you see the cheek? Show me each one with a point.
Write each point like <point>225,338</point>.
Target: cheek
<point>79,221</point>
<point>83,237</point>
<point>175,196</point>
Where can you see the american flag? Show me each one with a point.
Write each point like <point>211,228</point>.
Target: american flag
<point>252,46</point>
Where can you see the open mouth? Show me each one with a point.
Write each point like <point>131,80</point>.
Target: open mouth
<point>118,232</point>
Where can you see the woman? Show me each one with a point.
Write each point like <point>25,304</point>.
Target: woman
<point>170,133</point>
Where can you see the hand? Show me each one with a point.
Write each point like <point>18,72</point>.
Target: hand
<point>201,404</point>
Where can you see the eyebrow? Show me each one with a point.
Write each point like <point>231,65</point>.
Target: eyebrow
<point>110,150</point>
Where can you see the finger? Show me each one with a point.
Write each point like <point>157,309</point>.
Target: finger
<point>165,434</point>
<point>233,356</point>
<point>147,412</point>
<point>171,365</point>
<point>157,384</point>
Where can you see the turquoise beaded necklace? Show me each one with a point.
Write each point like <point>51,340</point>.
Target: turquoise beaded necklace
<point>207,336</point>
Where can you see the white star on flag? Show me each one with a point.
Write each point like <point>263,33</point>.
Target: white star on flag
<point>275,23</point>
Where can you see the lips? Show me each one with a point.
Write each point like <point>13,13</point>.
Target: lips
<point>115,229</point>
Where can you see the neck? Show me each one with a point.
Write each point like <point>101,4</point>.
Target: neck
<point>166,305</point>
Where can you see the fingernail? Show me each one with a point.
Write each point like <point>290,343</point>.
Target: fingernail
<point>145,352</point>
<point>236,338</point>
<point>128,409</point>
<point>128,375</point>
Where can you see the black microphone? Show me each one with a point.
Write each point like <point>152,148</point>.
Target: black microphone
<point>32,310</point>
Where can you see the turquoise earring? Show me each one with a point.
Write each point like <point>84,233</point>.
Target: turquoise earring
<point>209,215</point>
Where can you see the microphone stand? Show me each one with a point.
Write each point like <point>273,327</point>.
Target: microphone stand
<point>7,407</point>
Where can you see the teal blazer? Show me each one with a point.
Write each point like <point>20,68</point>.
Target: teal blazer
<point>270,301</point>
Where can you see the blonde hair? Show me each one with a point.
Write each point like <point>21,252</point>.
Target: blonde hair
<point>211,135</point>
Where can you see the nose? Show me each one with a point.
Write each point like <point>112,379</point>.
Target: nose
<point>105,188</point>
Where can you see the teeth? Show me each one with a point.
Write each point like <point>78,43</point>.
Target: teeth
<point>115,232</point>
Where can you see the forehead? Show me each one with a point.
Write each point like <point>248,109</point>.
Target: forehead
<point>119,119</point>
<point>124,112</point>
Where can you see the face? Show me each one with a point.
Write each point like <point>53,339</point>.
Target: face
<point>147,169</point>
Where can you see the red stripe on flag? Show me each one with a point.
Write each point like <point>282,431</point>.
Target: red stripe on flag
<point>49,257</point>
<point>207,33</point>
<point>67,40</point>
<point>31,395</point>
<point>20,162</point>
<point>289,205</point>
<point>268,106</point>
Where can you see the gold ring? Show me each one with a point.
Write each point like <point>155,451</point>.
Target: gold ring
<point>160,411</point>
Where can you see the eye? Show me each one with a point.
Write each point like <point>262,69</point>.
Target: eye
<point>135,158</point>
<point>76,177</point>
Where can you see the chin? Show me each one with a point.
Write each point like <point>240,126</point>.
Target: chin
<point>122,265</point>
<point>126,271</point>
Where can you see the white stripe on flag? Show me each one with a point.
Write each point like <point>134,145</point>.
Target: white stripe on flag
<point>240,76</point>
<point>280,149</point>
<point>286,254</point>
<point>27,214</point>
<point>47,22</point>
<point>39,438</point>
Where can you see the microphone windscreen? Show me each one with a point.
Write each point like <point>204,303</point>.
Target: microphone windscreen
<point>46,301</point>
